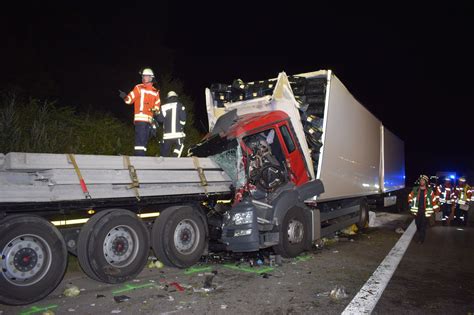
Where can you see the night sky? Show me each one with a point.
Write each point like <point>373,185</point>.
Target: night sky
<point>412,67</point>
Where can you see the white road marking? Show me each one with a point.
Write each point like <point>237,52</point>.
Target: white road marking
<point>364,302</point>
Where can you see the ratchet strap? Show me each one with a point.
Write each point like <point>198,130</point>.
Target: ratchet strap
<point>72,159</point>
<point>200,171</point>
<point>133,176</point>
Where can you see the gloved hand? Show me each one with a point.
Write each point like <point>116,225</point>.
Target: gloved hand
<point>156,110</point>
<point>122,94</point>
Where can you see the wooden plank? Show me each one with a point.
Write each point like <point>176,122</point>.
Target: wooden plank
<point>29,193</point>
<point>41,161</point>
<point>69,176</point>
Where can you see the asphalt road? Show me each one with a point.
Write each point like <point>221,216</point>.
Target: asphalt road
<point>300,286</point>
<point>436,277</point>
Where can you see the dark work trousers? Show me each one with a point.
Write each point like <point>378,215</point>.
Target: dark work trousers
<point>421,222</point>
<point>168,144</point>
<point>446,210</point>
<point>142,133</point>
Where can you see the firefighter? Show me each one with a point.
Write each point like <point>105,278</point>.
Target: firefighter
<point>173,117</point>
<point>447,200</point>
<point>463,196</point>
<point>146,100</point>
<point>422,204</point>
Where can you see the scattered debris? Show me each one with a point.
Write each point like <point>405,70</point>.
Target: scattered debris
<point>116,311</point>
<point>155,264</point>
<point>136,280</point>
<point>351,230</point>
<point>339,292</point>
<point>71,310</point>
<point>98,296</point>
<point>170,298</point>
<point>121,298</point>
<point>93,304</point>
<point>265,275</point>
<point>72,291</point>
<point>372,217</point>
<point>335,251</point>
<point>223,307</point>
<point>323,293</point>
<point>399,230</point>
<point>177,286</point>
<point>48,312</point>
<point>208,280</point>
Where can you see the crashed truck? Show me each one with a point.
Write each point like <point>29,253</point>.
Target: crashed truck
<point>287,161</point>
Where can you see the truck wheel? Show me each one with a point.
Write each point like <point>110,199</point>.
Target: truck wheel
<point>292,233</point>
<point>179,237</point>
<point>33,259</point>
<point>364,215</point>
<point>113,246</point>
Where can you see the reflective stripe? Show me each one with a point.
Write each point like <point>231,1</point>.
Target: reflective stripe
<point>149,92</point>
<point>140,148</point>
<point>175,135</point>
<point>182,122</point>
<point>142,98</point>
<point>128,100</point>
<point>133,94</point>
<point>142,117</point>
<point>158,101</point>
<point>180,151</point>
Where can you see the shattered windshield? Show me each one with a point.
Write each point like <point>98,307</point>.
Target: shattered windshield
<point>231,162</point>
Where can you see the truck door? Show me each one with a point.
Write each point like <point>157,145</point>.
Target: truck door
<point>294,158</point>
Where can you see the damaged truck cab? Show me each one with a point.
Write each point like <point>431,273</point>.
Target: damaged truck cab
<point>262,155</point>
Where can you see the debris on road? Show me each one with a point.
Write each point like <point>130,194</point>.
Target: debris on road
<point>338,293</point>
<point>121,298</point>
<point>116,311</point>
<point>72,291</point>
<point>372,217</point>
<point>351,230</point>
<point>399,230</point>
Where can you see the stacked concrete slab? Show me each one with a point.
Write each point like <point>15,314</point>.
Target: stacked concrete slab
<point>40,177</point>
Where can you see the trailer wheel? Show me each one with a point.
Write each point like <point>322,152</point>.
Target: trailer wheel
<point>364,215</point>
<point>293,232</point>
<point>178,237</point>
<point>113,246</point>
<point>33,259</point>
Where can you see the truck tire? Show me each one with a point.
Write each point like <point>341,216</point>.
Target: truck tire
<point>294,230</point>
<point>113,246</point>
<point>179,237</point>
<point>364,215</point>
<point>33,259</point>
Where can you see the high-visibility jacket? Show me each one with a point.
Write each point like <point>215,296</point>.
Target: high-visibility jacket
<point>429,200</point>
<point>173,117</point>
<point>463,194</point>
<point>446,194</point>
<point>145,97</point>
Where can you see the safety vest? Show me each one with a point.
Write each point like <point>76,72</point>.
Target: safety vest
<point>446,195</point>
<point>428,197</point>
<point>464,194</point>
<point>145,97</point>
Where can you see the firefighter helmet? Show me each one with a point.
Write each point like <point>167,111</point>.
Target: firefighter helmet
<point>462,179</point>
<point>172,93</point>
<point>147,71</point>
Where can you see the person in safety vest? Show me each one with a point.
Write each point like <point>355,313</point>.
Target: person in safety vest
<point>173,117</point>
<point>146,100</point>
<point>463,196</point>
<point>447,200</point>
<point>422,204</point>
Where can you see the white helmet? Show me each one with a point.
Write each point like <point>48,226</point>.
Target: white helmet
<point>172,93</point>
<point>147,71</point>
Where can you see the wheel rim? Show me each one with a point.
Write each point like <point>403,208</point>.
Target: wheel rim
<point>186,236</point>
<point>121,246</point>
<point>26,259</point>
<point>295,231</point>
